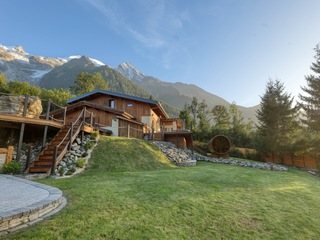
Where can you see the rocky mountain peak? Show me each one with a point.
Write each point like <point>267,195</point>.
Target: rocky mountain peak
<point>19,49</point>
<point>130,72</point>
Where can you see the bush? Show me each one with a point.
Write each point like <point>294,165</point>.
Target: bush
<point>89,145</point>
<point>61,171</point>
<point>234,152</point>
<point>80,163</point>
<point>95,134</point>
<point>70,171</point>
<point>12,168</point>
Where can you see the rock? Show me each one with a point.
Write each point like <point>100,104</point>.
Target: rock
<point>14,105</point>
<point>181,156</point>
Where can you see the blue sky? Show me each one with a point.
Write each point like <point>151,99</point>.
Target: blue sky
<point>230,48</point>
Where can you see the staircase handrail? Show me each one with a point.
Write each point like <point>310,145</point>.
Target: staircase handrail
<point>72,135</point>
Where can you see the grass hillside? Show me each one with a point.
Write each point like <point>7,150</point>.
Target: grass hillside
<point>117,197</point>
<point>122,154</point>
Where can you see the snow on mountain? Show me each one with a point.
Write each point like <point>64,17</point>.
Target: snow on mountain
<point>130,72</point>
<point>95,61</point>
<point>16,53</point>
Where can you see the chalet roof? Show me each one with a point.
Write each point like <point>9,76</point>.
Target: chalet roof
<point>155,104</point>
<point>82,104</point>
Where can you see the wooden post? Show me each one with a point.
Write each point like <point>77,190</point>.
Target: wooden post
<point>9,154</point>
<point>45,132</point>
<point>53,166</point>
<point>84,116</point>
<point>20,141</point>
<point>91,119</point>
<point>64,115</point>
<point>70,137</point>
<point>26,100</point>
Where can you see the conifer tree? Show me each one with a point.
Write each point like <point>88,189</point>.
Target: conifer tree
<point>277,119</point>
<point>311,101</point>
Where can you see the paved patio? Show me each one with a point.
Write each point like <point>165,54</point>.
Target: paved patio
<point>23,203</point>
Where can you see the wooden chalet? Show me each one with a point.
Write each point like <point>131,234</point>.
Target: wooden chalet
<point>118,114</point>
<point>109,112</point>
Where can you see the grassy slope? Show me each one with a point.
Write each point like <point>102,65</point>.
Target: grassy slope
<point>210,201</point>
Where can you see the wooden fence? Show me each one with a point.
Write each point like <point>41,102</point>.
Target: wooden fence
<point>305,161</point>
<point>8,152</point>
<point>308,162</point>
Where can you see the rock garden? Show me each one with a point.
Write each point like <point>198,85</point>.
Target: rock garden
<point>181,156</point>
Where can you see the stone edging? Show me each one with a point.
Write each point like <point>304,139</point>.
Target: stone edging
<point>182,157</point>
<point>16,219</point>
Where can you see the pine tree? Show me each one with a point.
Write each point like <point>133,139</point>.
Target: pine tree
<point>311,101</point>
<point>277,119</point>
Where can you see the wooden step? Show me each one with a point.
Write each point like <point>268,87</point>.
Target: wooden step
<point>45,157</point>
<point>43,163</point>
<point>54,143</point>
<point>39,169</point>
<point>49,152</point>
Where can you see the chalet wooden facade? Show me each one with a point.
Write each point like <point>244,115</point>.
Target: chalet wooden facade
<point>109,112</point>
<point>124,115</point>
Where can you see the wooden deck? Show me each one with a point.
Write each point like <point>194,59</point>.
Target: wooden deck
<point>21,119</point>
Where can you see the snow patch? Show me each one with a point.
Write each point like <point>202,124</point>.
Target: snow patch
<point>130,72</point>
<point>95,61</point>
<point>39,73</point>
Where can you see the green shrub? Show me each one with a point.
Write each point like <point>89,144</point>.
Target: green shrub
<point>95,134</point>
<point>70,171</point>
<point>234,152</point>
<point>80,163</point>
<point>61,171</point>
<point>89,145</point>
<point>12,168</point>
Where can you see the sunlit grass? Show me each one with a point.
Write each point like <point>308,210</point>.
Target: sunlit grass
<point>161,201</point>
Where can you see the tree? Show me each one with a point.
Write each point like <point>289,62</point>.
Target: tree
<point>236,118</point>
<point>203,116</point>
<point>221,117</point>
<point>3,83</point>
<point>23,88</point>
<point>193,107</point>
<point>58,96</point>
<point>185,115</point>
<point>311,101</point>
<point>86,83</point>
<point>277,120</point>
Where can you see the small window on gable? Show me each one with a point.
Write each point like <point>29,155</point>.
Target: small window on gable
<point>129,104</point>
<point>111,103</point>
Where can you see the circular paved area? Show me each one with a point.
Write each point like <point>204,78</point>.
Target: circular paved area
<point>17,193</point>
<point>20,197</point>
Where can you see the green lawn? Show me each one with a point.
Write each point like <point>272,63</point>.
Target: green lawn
<point>129,192</point>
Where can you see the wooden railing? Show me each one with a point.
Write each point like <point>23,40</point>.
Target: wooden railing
<point>71,134</point>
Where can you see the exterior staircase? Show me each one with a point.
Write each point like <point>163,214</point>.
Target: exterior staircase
<point>44,161</point>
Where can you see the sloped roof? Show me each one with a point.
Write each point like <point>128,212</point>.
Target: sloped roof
<point>154,103</point>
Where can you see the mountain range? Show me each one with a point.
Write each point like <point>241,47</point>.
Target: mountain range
<point>51,73</point>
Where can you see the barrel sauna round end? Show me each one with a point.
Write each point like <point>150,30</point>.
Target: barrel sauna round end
<point>220,146</point>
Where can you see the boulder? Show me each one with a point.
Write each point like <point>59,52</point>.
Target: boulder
<point>14,105</point>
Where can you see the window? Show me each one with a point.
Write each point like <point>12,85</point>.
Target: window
<point>129,105</point>
<point>111,103</point>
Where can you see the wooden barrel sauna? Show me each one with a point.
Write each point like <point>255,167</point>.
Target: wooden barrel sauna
<point>220,146</point>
